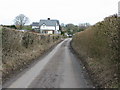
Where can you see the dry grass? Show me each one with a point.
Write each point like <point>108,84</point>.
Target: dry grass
<point>100,45</point>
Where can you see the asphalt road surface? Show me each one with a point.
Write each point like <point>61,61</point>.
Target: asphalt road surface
<point>60,68</point>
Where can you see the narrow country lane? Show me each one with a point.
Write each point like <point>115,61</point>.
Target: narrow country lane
<point>58,69</point>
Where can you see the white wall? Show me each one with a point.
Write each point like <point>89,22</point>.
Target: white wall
<point>57,27</point>
<point>33,27</point>
<point>43,27</point>
<point>47,28</point>
<point>50,32</point>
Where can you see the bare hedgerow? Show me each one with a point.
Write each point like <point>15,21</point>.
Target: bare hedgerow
<point>101,43</point>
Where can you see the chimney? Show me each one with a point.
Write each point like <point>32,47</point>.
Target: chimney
<point>48,18</point>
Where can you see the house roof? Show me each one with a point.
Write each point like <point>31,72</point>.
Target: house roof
<point>35,24</point>
<point>49,22</point>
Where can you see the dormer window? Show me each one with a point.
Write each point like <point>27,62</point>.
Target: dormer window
<point>44,25</point>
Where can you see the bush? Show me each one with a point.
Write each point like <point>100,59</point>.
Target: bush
<point>101,42</point>
<point>21,48</point>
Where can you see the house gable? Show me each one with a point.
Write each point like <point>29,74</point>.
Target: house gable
<point>49,22</point>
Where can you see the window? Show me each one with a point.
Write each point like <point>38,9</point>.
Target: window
<point>44,25</point>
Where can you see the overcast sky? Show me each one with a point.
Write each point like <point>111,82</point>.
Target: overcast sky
<point>66,11</point>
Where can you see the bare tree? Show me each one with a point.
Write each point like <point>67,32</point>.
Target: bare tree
<point>21,20</point>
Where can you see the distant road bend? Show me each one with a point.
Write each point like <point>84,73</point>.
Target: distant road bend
<point>58,69</point>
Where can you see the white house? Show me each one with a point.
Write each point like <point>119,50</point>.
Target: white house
<point>35,25</point>
<point>48,26</point>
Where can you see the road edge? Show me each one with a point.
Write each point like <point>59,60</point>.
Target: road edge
<point>84,63</point>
